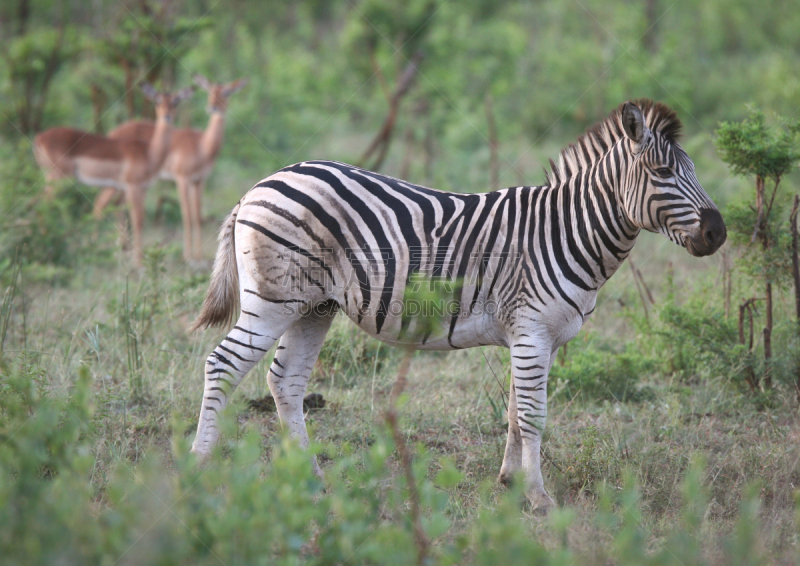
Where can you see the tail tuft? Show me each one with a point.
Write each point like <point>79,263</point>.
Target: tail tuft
<point>221,304</point>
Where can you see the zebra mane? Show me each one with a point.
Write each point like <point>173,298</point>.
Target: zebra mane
<point>660,118</point>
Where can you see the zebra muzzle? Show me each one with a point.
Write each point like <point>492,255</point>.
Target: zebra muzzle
<point>710,235</point>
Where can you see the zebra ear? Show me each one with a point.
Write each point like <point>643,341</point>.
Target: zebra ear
<point>633,122</point>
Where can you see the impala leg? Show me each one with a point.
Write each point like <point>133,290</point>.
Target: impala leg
<point>194,227</point>
<point>288,375</point>
<point>122,222</point>
<point>254,333</point>
<point>530,367</point>
<point>196,195</point>
<point>184,188</point>
<point>113,196</point>
<point>51,180</point>
<point>134,196</point>
<point>103,199</point>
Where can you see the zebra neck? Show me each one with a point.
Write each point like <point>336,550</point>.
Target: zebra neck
<point>588,209</point>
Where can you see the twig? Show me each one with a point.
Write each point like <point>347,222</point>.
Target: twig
<point>772,199</point>
<point>727,282</point>
<point>796,277</point>
<point>552,462</point>
<point>759,206</point>
<point>420,538</point>
<point>381,78</point>
<point>494,165</point>
<point>639,275</point>
<point>746,308</point>
<point>500,384</point>
<point>639,290</point>
<point>383,139</point>
<point>795,255</point>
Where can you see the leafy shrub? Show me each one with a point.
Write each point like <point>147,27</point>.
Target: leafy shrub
<point>31,62</point>
<point>45,460</point>
<point>598,372</point>
<point>242,510</point>
<point>698,339</point>
<point>44,233</point>
<point>775,261</point>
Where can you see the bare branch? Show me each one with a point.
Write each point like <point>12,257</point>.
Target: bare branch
<point>796,277</point>
<point>494,166</point>
<point>420,538</point>
<point>382,140</point>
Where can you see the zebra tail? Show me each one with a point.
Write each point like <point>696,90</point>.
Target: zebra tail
<point>222,299</point>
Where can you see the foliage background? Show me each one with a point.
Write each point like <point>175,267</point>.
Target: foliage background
<point>655,449</point>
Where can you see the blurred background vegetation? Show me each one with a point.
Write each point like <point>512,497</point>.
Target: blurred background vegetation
<point>321,72</point>
<point>669,430</point>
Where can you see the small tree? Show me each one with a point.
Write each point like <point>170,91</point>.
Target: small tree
<point>148,46</point>
<point>382,32</point>
<point>751,147</point>
<point>31,61</point>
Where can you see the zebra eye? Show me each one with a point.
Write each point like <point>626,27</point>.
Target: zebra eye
<point>664,172</point>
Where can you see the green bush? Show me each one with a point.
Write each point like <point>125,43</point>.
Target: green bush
<point>46,235</point>
<point>45,461</point>
<point>698,340</point>
<point>597,372</point>
<point>240,510</point>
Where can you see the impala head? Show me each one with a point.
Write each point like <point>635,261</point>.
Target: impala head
<point>661,193</point>
<point>218,93</point>
<point>165,102</point>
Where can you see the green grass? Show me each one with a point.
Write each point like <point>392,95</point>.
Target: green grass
<point>122,333</point>
<point>654,450</point>
<point>634,402</point>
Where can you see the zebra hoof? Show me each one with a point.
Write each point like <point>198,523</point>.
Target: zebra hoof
<point>202,457</point>
<point>506,479</point>
<point>540,504</point>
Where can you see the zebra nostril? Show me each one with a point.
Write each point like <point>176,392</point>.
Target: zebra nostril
<point>713,229</point>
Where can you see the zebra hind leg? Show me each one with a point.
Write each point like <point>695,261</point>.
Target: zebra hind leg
<point>294,359</point>
<point>243,347</point>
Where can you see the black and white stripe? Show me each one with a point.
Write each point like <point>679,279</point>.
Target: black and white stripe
<point>519,267</point>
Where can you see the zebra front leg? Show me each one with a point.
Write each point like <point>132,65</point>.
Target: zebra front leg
<point>512,458</point>
<point>530,366</point>
<point>288,375</point>
<point>241,349</point>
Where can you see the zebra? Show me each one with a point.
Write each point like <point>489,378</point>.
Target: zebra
<point>522,266</point>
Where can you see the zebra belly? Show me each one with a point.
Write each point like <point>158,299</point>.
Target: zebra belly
<point>434,334</point>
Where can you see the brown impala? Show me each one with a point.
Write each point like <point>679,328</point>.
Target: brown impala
<point>129,165</point>
<point>190,159</point>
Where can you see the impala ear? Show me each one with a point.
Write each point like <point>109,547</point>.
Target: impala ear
<point>202,81</point>
<point>235,86</point>
<point>633,122</point>
<point>149,91</point>
<point>182,94</point>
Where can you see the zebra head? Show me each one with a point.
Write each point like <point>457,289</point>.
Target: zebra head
<point>662,193</point>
